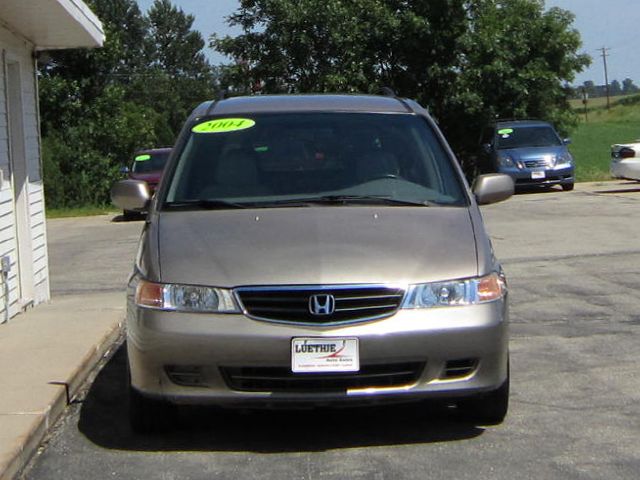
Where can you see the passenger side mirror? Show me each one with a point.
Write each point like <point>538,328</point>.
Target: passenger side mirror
<point>566,141</point>
<point>124,170</point>
<point>130,195</point>
<point>493,188</point>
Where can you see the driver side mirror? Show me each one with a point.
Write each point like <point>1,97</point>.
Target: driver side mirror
<point>566,141</point>
<point>486,148</point>
<point>130,195</point>
<point>493,188</point>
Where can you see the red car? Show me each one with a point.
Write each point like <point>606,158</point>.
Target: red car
<point>147,166</point>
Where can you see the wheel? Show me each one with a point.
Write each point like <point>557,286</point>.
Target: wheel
<point>488,409</point>
<point>567,187</point>
<point>148,415</point>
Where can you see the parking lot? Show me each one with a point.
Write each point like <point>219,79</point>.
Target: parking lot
<point>573,264</point>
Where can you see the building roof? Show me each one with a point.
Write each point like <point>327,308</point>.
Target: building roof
<point>53,24</point>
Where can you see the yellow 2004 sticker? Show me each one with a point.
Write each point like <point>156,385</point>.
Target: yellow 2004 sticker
<point>221,125</point>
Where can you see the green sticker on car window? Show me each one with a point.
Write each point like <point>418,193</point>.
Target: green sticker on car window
<point>505,131</point>
<point>222,125</point>
<point>142,158</point>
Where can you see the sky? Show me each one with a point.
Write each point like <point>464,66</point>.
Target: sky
<point>602,23</point>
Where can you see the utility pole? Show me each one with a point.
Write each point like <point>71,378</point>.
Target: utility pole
<point>606,74</point>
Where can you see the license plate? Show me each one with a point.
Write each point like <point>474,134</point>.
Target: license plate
<point>324,355</point>
<point>536,175</point>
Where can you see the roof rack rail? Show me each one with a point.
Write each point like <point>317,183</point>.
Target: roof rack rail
<point>497,120</point>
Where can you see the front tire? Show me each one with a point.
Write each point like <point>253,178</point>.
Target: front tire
<point>149,415</point>
<point>488,409</point>
<point>567,187</point>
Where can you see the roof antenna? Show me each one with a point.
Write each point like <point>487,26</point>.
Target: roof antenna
<point>387,92</point>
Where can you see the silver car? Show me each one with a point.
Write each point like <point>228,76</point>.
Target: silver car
<point>315,250</point>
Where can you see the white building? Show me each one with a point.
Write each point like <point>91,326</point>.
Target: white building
<point>26,27</point>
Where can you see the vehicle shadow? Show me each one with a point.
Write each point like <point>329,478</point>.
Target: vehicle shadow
<point>537,189</point>
<point>131,218</point>
<point>624,187</point>
<point>103,420</point>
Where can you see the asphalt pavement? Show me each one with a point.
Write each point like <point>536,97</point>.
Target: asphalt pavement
<point>572,260</point>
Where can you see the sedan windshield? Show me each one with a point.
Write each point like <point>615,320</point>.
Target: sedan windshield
<point>150,162</point>
<point>522,137</point>
<point>304,159</point>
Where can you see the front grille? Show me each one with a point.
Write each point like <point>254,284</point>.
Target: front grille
<point>293,304</point>
<point>536,163</point>
<point>281,379</point>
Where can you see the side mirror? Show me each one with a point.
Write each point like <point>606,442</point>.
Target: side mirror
<point>486,148</point>
<point>124,170</point>
<point>493,188</point>
<point>566,141</point>
<point>130,195</point>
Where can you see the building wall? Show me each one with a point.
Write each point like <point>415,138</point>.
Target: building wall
<point>17,52</point>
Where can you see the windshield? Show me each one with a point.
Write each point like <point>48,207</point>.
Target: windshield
<point>540,136</point>
<point>149,162</point>
<point>294,159</point>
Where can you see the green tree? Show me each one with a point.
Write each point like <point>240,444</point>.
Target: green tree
<point>99,106</point>
<point>468,61</point>
<point>615,88</point>
<point>628,87</point>
<point>178,71</point>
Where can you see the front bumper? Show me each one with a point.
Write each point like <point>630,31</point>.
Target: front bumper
<point>527,177</point>
<point>207,345</point>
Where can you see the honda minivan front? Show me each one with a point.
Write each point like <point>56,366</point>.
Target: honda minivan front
<point>315,250</point>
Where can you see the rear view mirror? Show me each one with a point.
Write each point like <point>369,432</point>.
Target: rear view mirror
<point>130,195</point>
<point>493,188</point>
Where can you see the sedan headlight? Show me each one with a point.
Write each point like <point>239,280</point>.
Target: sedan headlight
<point>563,159</point>
<point>506,161</point>
<point>470,291</point>
<point>184,298</point>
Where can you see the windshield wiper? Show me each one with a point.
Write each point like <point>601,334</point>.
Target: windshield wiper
<point>203,204</point>
<point>350,199</point>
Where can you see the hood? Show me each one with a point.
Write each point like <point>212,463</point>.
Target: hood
<point>151,177</point>
<point>316,245</point>
<point>533,153</point>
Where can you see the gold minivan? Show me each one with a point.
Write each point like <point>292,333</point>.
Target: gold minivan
<point>315,249</point>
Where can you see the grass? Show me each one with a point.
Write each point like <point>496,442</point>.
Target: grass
<point>596,102</point>
<point>80,212</point>
<point>592,140</point>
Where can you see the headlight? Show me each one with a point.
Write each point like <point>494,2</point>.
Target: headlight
<point>563,159</point>
<point>470,291</point>
<point>506,161</point>
<point>184,298</point>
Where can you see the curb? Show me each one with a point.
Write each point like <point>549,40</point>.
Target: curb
<point>31,441</point>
